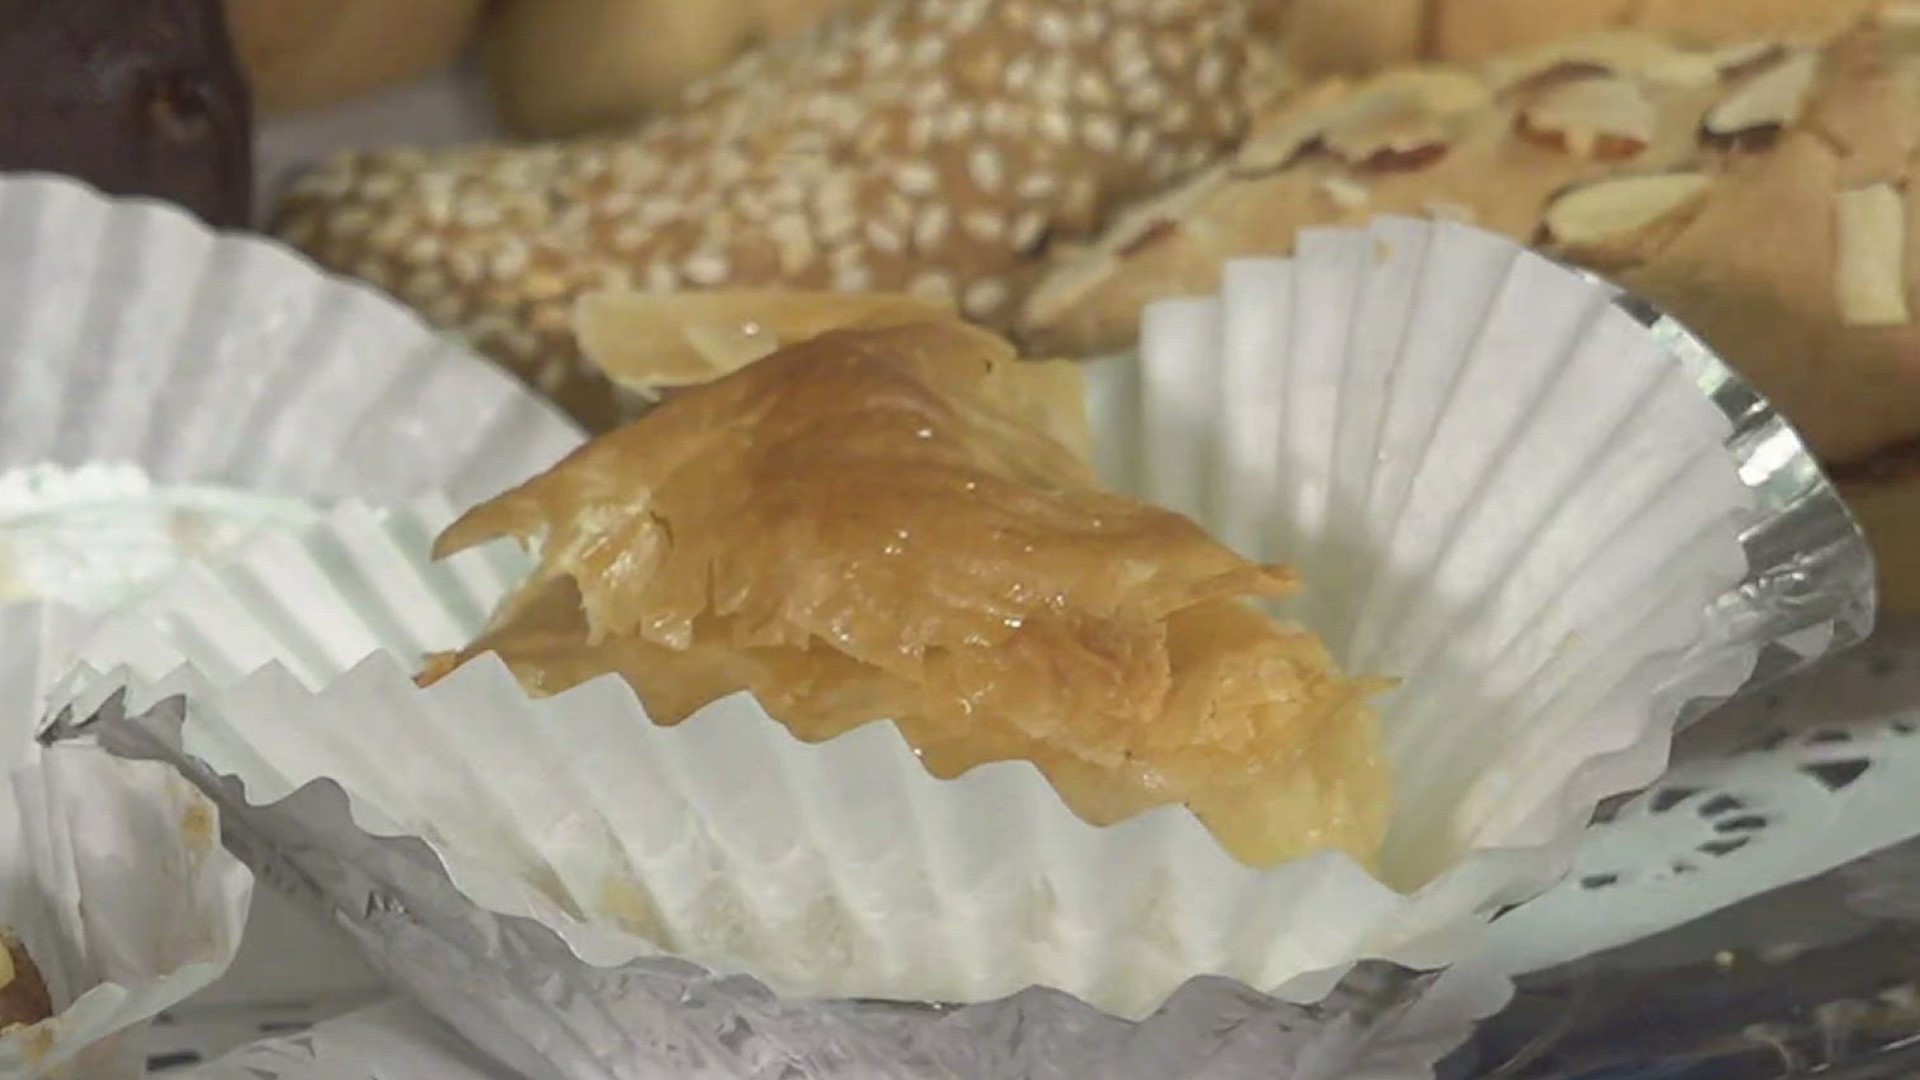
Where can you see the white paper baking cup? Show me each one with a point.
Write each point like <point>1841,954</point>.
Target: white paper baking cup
<point>95,536</point>
<point>1555,516</point>
<point>130,333</point>
<point>149,365</point>
<point>111,873</point>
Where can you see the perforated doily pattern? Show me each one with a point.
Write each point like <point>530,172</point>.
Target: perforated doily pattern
<point>1809,776</point>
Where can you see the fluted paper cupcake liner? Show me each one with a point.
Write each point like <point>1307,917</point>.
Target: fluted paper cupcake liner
<point>1502,485</point>
<point>164,388</point>
<point>130,333</point>
<point>111,875</point>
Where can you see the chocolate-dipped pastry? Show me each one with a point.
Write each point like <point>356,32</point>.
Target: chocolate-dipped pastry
<point>137,97</point>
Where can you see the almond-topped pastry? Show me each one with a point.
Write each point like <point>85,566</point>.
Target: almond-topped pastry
<point>1324,37</point>
<point>23,991</point>
<point>893,524</point>
<point>1761,195</point>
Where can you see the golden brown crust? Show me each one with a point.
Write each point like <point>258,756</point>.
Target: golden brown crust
<point>1785,146</point>
<point>1725,22</point>
<point>877,524</point>
<point>938,148</point>
<point>1481,29</point>
<point>1352,37</point>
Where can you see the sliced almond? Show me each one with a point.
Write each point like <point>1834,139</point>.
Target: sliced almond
<point>1142,225</point>
<point>1767,103</point>
<point>1067,292</point>
<point>650,343</point>
<point>1440,90</point>
<point>1400,121</point>
<point>1348,195</point>
<point>1747,57</point>
<point>1870,227</point>
<point>1603,221</point>
<point>1602,119</point>
<point>1279,137</point>
<point>1393,137</point>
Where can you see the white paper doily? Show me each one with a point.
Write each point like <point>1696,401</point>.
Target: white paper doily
<point>1814,774</point>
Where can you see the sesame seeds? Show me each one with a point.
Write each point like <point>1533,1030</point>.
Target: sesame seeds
<point>1101,134</point>
<point>985,226</point>
<point>885,238</point>
<point>931,285</point>
<point>1029,231</point>
<point>931,228</point>
<point>1055,127</point>
<point>509,262</point>
<point>852,279</point>
<point>985,168</point>
<point>1053,30</point>
<point>917,178</point>
<point>706,268</point>
<point>1037,185</point>
<point>984,298</point>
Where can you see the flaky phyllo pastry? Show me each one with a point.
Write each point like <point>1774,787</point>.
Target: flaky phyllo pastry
<point>900,524</point>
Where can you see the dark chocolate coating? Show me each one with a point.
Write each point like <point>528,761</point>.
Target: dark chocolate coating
<point>137,97</point>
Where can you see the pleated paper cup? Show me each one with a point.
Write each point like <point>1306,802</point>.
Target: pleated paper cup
<point>131,334</point>
<point>165,389</point>
<point>111,875</point>
<point>1555,517</point>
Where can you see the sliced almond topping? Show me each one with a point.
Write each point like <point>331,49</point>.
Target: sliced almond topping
<point>1348,195</point>
<point>1442,91</point>
<point>1067,292</point>
<point>1764,105</point>
<point>1747,57</point>
<point>1606,212</point>
<point>1606,119</point>
<point>1390,141</point>
<point>1399,122</point>
<point>1871,233</point>
<point>1395,122</point>
<point>1148,222</point>
<point>1278,138</point>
